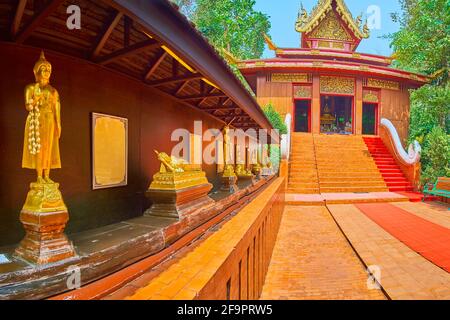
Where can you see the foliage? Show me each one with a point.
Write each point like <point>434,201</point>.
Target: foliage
<point>187,7</point>
<point>275,119</point>
<point>239,75</point>
<point>436,158</point>
<point>423,45</point>
<point>233,25</point>
<point>430,107</point>
<point>275,156</point>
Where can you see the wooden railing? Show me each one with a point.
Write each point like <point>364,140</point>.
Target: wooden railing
<point>409,162</point>
<point>232,263</point>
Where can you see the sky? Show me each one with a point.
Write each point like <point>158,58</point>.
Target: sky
<point>283,14</point>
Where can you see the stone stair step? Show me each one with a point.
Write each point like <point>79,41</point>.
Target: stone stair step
<point>353,189</point>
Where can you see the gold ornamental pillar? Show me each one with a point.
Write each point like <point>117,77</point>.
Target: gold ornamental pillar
<point>358,116</point>
<point>44,215</point>
<point>315,107</point>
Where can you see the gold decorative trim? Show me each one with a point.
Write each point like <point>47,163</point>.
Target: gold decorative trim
<point>317,63</point>
<point>323,44</point>
<point>315,51</point>
<point>383,84</point>
<point>339,85</point>
<point>330,28</point>
<point>370,97</point>
<point>260,63</point>
<point>290,77</point>
<point>337,45</point>
<point>303,92</point>
<point>364,68</point>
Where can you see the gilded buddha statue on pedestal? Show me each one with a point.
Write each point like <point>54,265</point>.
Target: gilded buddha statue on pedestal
<point>44,214</point>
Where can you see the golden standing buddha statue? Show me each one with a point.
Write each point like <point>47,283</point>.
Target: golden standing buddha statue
<point>227,153</point>
<point>229,176</point>
<point>43,124</point>
<point>44,214</point>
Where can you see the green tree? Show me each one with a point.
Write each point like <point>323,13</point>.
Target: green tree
<point>275,119</point>
<point>423,45</point>
<point>436,155</point>
<point>277,122</point>
<point>233,25</point>
<point>187,7</point>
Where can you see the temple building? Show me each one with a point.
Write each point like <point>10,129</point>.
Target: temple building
<point>339,105</point>
<point>325,85</point>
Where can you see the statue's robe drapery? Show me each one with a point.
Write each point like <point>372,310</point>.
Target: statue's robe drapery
<point>49,122</point>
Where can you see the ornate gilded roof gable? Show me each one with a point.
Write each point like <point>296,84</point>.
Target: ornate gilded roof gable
<point>307,23</point>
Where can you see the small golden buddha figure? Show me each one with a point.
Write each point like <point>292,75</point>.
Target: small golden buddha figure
<point>327,118</point>
<point>43,124</point>
<point>241,171</point>
<point>227,153</point>
<point>178,188</point>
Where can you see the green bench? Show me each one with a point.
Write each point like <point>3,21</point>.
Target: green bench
<point>440,189</point>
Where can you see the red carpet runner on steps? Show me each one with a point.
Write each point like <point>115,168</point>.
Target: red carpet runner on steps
<point>389,169</point>
<point>428,239</point>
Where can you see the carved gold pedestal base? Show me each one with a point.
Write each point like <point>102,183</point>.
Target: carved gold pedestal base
<point>178,203</point>
<point>229,184</point>
<point>44,217</point>
<point>256,169</point>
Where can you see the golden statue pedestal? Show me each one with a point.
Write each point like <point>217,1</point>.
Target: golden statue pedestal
<point>244,174</point>
<point>267,170</point>
<point>178,189</point>
<point>178,203</point>
<point>256,169</point>
<point>44,217</point>
<point>229,179</point>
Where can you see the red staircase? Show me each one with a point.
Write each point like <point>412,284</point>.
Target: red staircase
<point>389,169</point>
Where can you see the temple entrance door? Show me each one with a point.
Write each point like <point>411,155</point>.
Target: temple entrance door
<point>369,119</point>
<point>336,114</point>
<point>302,119</point>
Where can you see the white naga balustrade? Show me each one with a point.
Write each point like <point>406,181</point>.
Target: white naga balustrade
<point>409,161</point>
<point>286,138</point>
<point>414,150</point>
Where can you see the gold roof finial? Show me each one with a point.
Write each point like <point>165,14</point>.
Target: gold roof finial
<point>270,43</point>
<point>301,18</point>
<point>366,29</point>
<point>359,20</point>
<point>231,59</point>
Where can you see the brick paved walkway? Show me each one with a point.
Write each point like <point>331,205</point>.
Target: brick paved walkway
<point>313,260</point>
<point>404,273</point>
